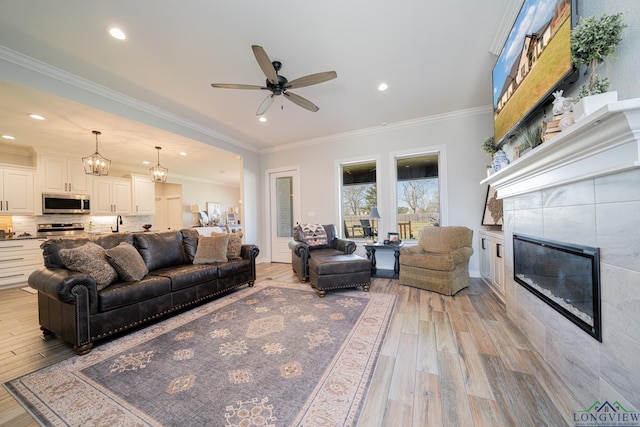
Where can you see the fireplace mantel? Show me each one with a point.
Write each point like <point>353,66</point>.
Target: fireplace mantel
<point>605,142</point>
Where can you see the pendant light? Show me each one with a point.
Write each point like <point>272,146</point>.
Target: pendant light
<point>158,173</point>
<point>95,164</point>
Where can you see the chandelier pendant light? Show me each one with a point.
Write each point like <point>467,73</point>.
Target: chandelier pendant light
<point>96,164</point>
<point>158,173</point>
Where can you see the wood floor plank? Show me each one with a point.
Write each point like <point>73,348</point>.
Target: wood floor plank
<point>404,372</point>
<point>481,337</point>
<point>455,404</point>
<point>485,412</point>
<point>427,406</point>
<point>473,372</point>
<point>445,338</point>
<point>427,357</point>
<point>375,403</point>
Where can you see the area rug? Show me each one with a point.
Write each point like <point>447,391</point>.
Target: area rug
<point>272,355</point>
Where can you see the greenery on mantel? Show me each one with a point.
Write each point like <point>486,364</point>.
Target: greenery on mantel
<point>489,146</point>
<point>592,41</point>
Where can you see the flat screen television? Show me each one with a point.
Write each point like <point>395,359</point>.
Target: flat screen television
<point>535,61</point>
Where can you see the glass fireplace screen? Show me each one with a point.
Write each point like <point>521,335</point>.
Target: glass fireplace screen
<point>567,277</point>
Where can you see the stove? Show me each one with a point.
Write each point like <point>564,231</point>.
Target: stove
<point>60,229</point>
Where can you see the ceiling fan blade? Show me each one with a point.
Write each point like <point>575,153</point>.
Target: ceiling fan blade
<point>265,63</point>
<point>234,86</point>
<point>303,102</point>
<point>265,105</point>
<point>311,79</point>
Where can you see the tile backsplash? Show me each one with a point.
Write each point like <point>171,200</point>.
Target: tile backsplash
<point>101,224</point>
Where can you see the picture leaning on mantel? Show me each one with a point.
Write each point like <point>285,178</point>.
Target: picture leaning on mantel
<point>492,214</point>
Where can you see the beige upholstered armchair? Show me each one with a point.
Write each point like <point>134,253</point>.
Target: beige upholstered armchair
<point>440,261</point>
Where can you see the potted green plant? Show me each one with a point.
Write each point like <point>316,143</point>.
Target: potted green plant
<point>593,40</point>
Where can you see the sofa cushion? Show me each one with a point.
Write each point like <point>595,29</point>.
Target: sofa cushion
<point>187,275</point>
<point>314,234</point>
<point>122,294</point>
<point>111,240</point>
<point>51,249</point>
<point>160,249</point>
<point>235,246</point>
<point>127,262</point>
<point>90,259</point>
<point>190,243</point>
<point>233,267</point>
<point>212,249</point>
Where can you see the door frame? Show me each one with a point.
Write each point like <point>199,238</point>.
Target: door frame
<point>297,212</point>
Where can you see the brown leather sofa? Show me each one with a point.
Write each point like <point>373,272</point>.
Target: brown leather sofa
<point>72,308</point>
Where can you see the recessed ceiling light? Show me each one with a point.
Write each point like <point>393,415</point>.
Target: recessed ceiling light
<point>182,153</point>
<point>262,119</point>
<point>117,33</point>
<point>8,137</point>
<point>382,87</point>
<point>145,163</point>
<point>36,116</point>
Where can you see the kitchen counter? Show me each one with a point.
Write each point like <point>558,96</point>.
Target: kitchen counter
<point>4,239</point>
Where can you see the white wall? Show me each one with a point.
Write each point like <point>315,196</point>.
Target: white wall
<point>460,134</point>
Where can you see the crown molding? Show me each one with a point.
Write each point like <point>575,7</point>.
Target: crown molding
<point>502,32</point>
<point>468,112</point>
<point>58,74</point>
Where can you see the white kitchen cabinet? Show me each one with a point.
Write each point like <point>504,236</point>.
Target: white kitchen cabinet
<point>143,191</point>
<point>492,260</point>
<point>18,259</point>
<point>111,196</point>
<point>60,175</point>
<point>17,191</point>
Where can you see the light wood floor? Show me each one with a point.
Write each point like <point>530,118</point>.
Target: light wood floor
<point>446,361</point>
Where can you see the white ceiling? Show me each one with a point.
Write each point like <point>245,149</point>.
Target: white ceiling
<point>434,55</point>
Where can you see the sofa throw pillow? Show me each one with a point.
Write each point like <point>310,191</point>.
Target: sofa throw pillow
<point>90,259</point>
<point>314,234</point>
<point>127,262</point>
<point>235,246</point>
<point>212,249</point>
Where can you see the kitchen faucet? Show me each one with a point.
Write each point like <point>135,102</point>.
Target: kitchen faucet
<point>118,224</point>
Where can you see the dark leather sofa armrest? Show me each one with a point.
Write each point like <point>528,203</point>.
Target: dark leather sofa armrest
<point>249,251</point>
<point>58,283</point>
<point>299,248</point>
<point>344,245</point>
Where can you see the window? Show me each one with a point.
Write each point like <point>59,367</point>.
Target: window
<point>417,193</point>
<point>358,195</point>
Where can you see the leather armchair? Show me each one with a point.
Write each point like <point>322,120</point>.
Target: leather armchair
<point>440,261</point>
<point>301,251</point>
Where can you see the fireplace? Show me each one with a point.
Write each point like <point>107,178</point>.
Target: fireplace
<point>567,277</point>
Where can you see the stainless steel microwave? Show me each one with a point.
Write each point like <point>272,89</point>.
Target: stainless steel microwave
<point>66,204</point>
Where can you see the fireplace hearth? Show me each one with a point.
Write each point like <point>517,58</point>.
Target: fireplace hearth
<point>565,276</point>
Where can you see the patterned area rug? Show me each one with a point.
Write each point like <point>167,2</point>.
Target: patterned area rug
<point>272,355</point>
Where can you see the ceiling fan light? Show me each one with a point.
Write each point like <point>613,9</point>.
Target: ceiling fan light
<point>96,164</point>
<point>158,173</point>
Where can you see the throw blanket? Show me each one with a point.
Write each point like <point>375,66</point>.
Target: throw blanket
<point>314,234</point>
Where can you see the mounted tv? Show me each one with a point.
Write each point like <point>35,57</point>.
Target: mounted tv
<point>535,61</point>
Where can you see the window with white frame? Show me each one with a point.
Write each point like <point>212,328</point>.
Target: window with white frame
<point>417,193</point>
<point>358,195</point>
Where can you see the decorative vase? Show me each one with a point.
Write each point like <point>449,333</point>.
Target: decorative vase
<point>591,103</point>
<point>499,160</point>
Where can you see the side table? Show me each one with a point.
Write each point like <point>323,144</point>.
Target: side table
<point>378,272</point>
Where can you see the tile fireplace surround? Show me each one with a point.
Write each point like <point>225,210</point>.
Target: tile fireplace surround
<point>583,187</point>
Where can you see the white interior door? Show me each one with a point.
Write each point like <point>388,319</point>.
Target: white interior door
<point>284,212</point>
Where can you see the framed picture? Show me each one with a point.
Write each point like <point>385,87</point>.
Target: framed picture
<point>393,238</point>
<point>492,208</point>
<point>214,210</point>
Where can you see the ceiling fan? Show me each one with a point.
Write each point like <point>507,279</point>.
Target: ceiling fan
<point>279,85</point>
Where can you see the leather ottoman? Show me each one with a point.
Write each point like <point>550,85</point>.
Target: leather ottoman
<point>339,271</point>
